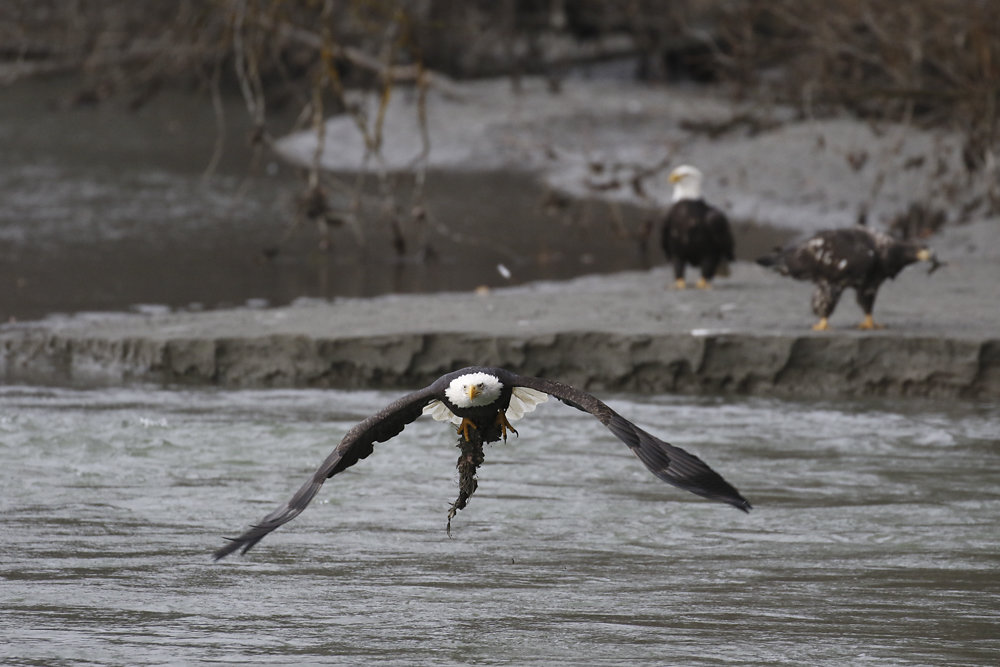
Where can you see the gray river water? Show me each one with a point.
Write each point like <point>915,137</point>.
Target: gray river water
<point>874,540</point>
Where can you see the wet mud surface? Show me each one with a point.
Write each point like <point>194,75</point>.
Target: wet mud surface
<point>630,331</point>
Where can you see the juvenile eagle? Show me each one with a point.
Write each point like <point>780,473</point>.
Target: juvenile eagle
<point>855,257</point>
<point>693,232</point>
<point>481,402</point>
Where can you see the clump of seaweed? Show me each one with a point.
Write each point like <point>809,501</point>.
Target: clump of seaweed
<point>469,460</point>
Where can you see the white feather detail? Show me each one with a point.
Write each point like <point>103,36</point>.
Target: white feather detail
<point>440,412</point>
<point>523,401</point>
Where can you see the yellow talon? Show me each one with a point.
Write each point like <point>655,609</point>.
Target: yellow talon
<point>504,425</point>
<point>463,428</point>
<point>868,324</point>
<point>822,325</point>
<point>680,284</point>
<point>703,284</point>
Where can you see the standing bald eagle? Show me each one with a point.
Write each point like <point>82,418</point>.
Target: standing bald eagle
<point>855,257</point>
<point>481,401</point>
<point>693,232</point>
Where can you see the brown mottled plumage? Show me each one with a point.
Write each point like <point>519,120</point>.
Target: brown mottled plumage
<point>855,257</point>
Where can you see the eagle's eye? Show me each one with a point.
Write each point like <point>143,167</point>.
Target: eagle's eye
<point>482,385</point>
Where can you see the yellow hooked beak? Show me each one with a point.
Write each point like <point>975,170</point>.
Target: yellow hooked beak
<point>674,177</point>
<point>473,392</point>
<point>926,255</point>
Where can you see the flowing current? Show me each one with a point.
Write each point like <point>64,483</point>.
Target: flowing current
<point>875,538</point>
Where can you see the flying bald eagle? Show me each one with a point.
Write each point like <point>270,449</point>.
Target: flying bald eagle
<point>481,402</point>
<point>693,232</point>
<point>855,257</point>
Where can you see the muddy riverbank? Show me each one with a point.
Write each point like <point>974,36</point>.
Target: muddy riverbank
<point>101,236</point>
<point>625,332</point>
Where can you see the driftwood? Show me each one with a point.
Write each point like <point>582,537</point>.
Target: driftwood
<point>471,457</point>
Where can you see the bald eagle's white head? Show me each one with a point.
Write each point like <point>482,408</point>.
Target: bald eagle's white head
<point>687,182</point>
<point>477,389</point>
<point>474,390</point>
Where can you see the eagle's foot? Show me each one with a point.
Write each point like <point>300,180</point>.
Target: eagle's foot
<point>869,324</point>
<point>703,284</point>
<point>505,425</point>
<point>469,460</point>
<point>464,427</point>
<point>822,325</point>
<point>680,283</point>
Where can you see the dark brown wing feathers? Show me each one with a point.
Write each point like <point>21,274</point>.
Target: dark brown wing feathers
<point>693,230</point>
<point>356,445</point>
<point>671,464</point>
<point>719,225</point>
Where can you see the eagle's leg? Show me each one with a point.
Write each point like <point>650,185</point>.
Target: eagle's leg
<point>866,299</point>
<point>824,300</point>
<point>505,425</point>
<point>469,460</point>
<point>464,427</point>
<point>679,266</point>
<point>868,323</point>
<point>709,265</point>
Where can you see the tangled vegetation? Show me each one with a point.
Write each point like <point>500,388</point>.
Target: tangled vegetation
<point>935,62</point>
<point>932,62</point>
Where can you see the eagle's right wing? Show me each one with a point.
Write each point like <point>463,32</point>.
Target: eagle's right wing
<point>356,445</point>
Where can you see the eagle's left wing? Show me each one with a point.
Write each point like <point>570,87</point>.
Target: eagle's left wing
<point>671,464</point>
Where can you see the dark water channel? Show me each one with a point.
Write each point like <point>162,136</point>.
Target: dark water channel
<point>874,539</point>
<point>109,209</point>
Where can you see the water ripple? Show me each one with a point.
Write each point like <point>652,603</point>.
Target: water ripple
<point>874,540</point>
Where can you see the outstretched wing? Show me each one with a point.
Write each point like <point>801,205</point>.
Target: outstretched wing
<point>671,464</point>
<point>356,445</point>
